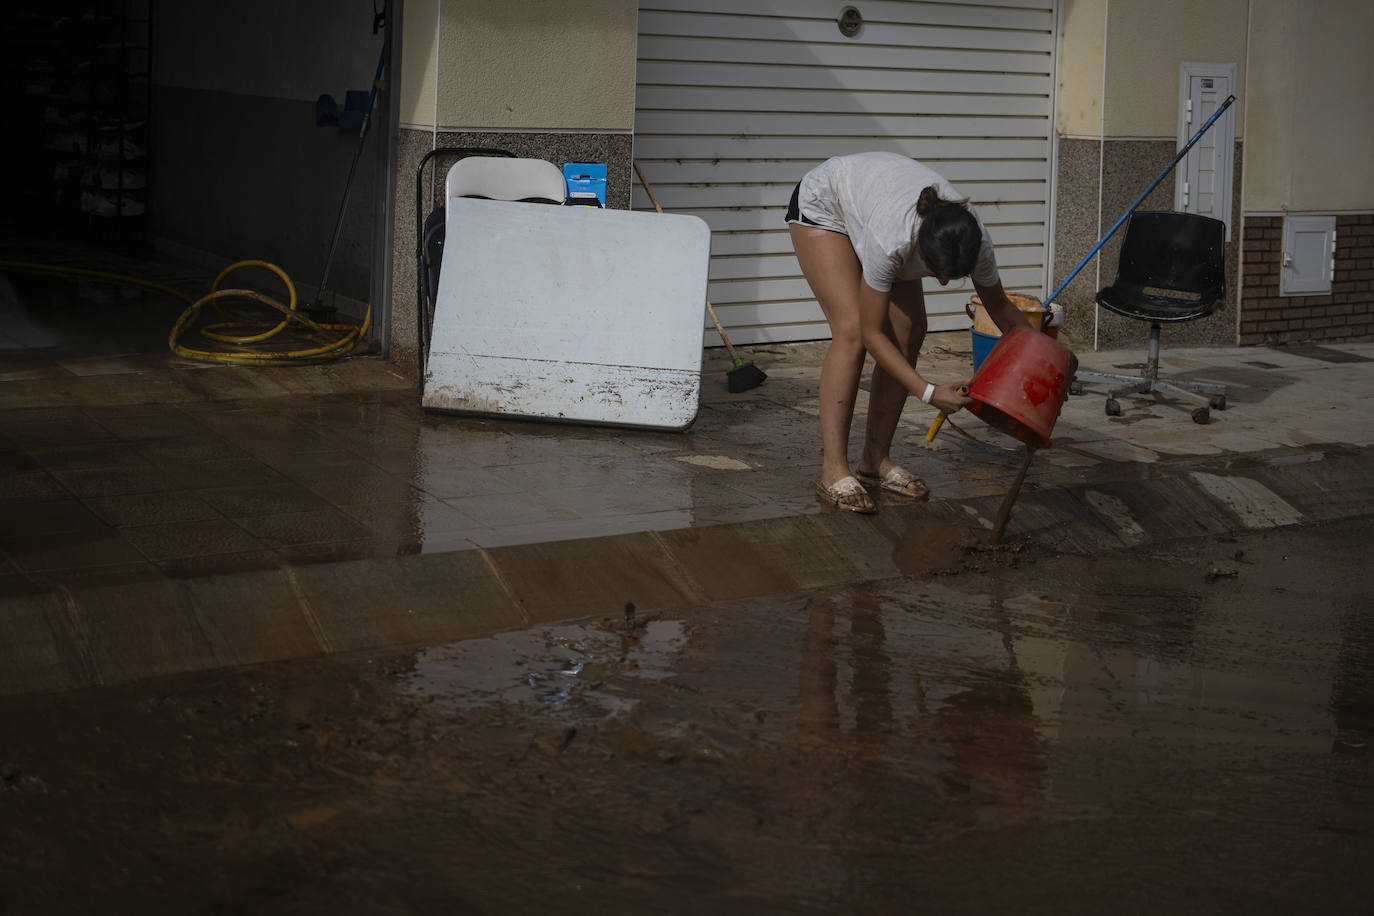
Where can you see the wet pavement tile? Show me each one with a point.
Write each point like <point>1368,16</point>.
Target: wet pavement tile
<point>770,484</point>
<point>726,514</point>
<point>291,529</point>
<point>151,508</point>
<point>552,473</point>
<point>42,551</point>
<point>346,551</point>
<point>54,426</point>
<point>188,449</point>
<point>624,498</point>
<point>400,458</point>
<point>28,484</point>
<point>343,462</point>
<point>241,501</point>
<point>88,456</point>
<point>13,580</point>
<point>20,517</point>
<point>503,507</point>
<point>226,472</point>
<point>115,575</point>
<point>191,538</point>
<point>540,532</point>
<point>120,481</point>
<point>282,449</point>
<point>430,542</point>
<point>455,479</point>
<point>15,460</point>
<point>361,485</point>
<point>412,518</point>
<point>212,566</point>
<point>16,373</point>
<point>102,365</point>
<point>144,421</point>
<point>232,384</point>
<point>483,448</point>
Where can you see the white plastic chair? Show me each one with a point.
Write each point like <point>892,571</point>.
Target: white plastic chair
<point>496,178</point>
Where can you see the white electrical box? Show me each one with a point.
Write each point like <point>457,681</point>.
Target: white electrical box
<point>1309,252</point>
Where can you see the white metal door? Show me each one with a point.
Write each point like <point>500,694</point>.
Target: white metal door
<point>737,99</point>
<point>1203,184</point>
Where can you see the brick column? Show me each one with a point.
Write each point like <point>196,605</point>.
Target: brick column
<point>1346,313</point>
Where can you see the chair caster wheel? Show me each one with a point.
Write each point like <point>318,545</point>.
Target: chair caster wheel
<point>1218,402</point>
<point>1113,408</point>
<point>1075,387</point>
<point>1202,416</point>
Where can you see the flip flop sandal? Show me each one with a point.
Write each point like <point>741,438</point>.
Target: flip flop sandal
<point>897,480</point>
<point>847,494</point>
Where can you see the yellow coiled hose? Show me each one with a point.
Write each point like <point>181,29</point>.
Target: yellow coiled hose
<point>244,338</point>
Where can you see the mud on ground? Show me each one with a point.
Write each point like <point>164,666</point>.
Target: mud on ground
<point>1182,728</point>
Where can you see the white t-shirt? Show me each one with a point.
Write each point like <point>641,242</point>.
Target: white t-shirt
<point>871,197</point>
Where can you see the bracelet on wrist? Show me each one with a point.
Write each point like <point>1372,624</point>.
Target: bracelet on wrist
<point>928,393</point>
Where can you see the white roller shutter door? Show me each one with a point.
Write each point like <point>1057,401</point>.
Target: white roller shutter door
<point>737,99</point>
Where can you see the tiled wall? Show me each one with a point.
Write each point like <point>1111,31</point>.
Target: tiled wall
<point>1346,313</point>
<point>412,145</point>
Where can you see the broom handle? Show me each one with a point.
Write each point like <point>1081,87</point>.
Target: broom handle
<point>1143,194</point>
<point>709,310</point>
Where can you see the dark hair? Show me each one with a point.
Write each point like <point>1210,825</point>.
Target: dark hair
<point>949,235</point>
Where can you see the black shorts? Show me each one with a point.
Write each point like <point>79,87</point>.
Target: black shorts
<point>794,214</point>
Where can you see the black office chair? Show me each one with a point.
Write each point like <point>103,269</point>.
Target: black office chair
<point>1171,270</point>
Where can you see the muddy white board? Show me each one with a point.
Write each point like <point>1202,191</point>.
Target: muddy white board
<point>569,313</point>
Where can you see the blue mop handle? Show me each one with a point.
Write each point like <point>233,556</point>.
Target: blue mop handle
<point>372,96</point>
<point>348,182</point>
<point>1158,178</point>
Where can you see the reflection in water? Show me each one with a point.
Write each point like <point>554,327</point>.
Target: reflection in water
<point>486,482</point>
<point>1352,688</point>
<point>869,672</point>
<point>819,716</point>
<point>18,329</point>
<point>855,689</point>
<point>547,666</point>
<point>81,319</point>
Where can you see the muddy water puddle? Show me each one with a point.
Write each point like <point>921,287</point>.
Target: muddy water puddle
<point>546,666</point>
<point>1066,735</point>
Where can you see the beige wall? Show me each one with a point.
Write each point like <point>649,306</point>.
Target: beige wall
<point>522,66</point>
<point>1146,42</point>
<point>1310,123</point>
<point>1304,73</point>
<point>1080,69</point>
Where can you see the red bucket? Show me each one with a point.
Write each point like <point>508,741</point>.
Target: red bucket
<point>1020,386</point>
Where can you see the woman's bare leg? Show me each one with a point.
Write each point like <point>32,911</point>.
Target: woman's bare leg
<point>832,269</point>
<point>886,396</point>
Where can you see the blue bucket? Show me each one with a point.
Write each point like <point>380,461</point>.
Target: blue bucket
<point>982,346</point>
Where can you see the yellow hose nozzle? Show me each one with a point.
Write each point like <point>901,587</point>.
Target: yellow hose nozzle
<point>935,426</point>
<point>940,420</point>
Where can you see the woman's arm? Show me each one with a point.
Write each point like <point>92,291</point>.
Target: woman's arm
<point>1000,308</point>
<point>1007,316</point>
<point>873,322</point>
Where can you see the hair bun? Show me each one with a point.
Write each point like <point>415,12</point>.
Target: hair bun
<point>928,201</point>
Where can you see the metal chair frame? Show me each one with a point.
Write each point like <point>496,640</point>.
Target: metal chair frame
<point>429,244</point>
